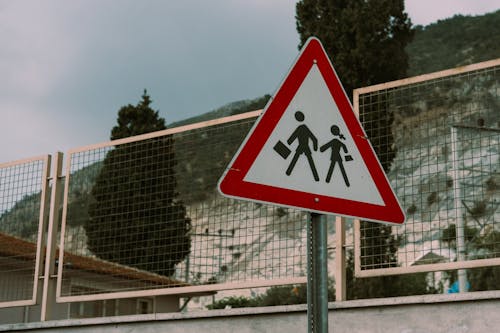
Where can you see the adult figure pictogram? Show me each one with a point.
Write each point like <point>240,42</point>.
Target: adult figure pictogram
<point>303,135</point>
<point>336,158</point>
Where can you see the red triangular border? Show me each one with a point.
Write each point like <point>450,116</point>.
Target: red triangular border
<point>232,183</point>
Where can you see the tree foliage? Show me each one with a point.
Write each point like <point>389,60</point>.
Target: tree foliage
<point>233,302</point>
<point>135,218</point>
<point>137,119</point>
<point>277,295</point>
<point>384,286</point>
<point>365,39</point>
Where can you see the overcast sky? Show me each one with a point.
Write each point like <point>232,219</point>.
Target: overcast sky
<point>66,67</point>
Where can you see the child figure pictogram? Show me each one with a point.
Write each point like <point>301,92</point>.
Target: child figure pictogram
<point>336,158</point>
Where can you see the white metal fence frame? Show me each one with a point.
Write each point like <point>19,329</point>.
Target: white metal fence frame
<point>47,279</point>
<point>42,218</point>
<point>432,267</point>
<point>181,290</point>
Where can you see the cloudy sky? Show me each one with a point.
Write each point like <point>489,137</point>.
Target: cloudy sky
<point>66,67</point>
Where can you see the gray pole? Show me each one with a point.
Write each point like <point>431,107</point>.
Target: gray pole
<point>317,290</point>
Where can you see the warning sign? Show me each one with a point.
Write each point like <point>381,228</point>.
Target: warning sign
<point>308,150</point>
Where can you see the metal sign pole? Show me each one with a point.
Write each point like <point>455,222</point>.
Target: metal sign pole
<point>317,275</point>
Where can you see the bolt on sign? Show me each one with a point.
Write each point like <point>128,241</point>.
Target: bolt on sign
<point>309,151</point>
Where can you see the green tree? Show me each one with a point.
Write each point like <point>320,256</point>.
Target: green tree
<point>233,302</point>
<point>276,295</point>
<point>384,286</point>
<point>135,218</point>
<point>365,39</point>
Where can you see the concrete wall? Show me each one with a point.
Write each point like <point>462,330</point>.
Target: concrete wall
<point>473,312</point>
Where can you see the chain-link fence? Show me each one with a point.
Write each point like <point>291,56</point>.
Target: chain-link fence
<point>23,187</point>
<point>144,214</point>
<point>438,138</point>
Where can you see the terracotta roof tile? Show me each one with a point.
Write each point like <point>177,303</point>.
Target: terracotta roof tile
<point>20,249</point>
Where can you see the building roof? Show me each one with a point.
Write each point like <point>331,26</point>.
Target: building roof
<point>16,248</point>
<point>429,258</point>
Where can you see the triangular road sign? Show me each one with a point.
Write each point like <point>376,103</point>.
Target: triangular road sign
<point>308,150</point>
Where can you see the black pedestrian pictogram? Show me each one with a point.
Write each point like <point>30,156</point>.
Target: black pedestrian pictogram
<point>303,135</point>
<point>336,158</point>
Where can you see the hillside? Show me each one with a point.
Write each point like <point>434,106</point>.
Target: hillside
<point>458,41</point>
<point>229,109</point>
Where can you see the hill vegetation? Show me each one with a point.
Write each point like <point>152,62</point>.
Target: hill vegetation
<point>460,40</point>
<point>226,110</point>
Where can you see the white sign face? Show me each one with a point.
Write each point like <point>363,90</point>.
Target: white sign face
<point>349,177</point>
<point>308,150</point>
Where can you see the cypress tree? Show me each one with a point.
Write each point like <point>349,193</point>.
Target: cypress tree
<point>365,39</point>
<point>135,218</point>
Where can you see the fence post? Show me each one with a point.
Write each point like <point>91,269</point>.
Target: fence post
<point>340,259</point>
<point>48,292</point>
<point>459,220</point>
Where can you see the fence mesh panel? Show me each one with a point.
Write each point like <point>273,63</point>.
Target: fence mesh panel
<point>21,198</point>
<point>439,142</point>
<point>146,214</point>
